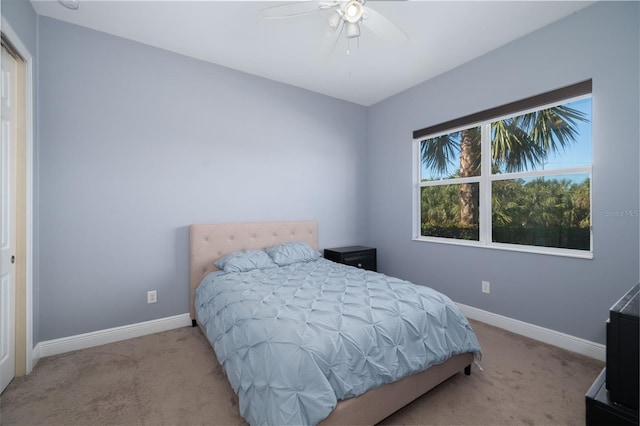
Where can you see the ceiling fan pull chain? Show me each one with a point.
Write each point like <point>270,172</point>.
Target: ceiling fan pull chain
<point>349,43</point>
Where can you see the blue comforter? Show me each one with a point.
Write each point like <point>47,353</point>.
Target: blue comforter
<point>294,340</point>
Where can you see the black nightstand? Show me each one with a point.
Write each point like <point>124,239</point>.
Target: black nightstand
<point>358,256</point>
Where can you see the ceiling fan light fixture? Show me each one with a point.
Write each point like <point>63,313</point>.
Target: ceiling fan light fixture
<point>334,20</point>
<point>353,11</point>
<point>352,29</point>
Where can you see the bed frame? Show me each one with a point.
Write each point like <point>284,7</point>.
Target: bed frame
<point>209,242</point>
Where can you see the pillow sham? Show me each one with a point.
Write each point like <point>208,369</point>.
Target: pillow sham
<point>286,254</point>
<point>243,261</point>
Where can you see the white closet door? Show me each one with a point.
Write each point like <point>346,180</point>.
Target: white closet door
<point>7,221</point>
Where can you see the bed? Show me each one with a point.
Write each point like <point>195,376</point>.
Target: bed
<point>210,242</point>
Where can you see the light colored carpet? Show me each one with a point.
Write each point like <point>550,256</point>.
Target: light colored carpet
<point>173,378</point>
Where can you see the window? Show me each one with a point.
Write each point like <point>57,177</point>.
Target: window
<point>515,177</point>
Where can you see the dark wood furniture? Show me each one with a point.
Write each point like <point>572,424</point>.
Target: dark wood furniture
<point>601,411</point>
<point>613,397</point>
<point>358,256</point>
<point>623,356</point>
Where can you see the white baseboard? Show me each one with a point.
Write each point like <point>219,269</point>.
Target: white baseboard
<point>101,337</point>
<point>552,337</point>
<point>36,353</point>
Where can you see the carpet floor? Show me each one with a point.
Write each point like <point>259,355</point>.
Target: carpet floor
<point>173,378</point>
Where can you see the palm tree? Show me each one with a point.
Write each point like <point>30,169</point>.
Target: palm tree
<point>525,141</point>
<point>517,144</point>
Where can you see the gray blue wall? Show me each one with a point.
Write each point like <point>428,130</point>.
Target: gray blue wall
<point>564,294</point>
<point>135,143</point>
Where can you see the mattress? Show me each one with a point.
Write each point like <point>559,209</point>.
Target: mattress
<point>295,339</point>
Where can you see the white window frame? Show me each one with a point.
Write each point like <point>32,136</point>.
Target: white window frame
<point>485,180</point>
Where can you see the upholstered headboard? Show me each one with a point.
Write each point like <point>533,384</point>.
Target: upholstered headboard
<point>209,242</point>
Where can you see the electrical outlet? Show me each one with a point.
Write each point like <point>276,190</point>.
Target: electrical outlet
<point>152,296</point>
<point>485,287</point>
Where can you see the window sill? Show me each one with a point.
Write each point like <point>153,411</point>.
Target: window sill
<point>552,251</point>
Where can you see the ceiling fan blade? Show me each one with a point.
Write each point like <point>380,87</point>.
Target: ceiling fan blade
<point>330,39</point>
<point>382,27</point>
<point>296,9</point>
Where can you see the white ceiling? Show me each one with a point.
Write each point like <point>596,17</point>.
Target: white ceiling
<point>442,36</point>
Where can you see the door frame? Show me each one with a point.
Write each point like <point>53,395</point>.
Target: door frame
<point>31,358</point>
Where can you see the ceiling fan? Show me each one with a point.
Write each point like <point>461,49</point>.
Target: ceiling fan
<point>346,16</point>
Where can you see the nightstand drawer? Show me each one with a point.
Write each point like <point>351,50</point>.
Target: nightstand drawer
<point>365,261</point>
<point>358,256</point>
